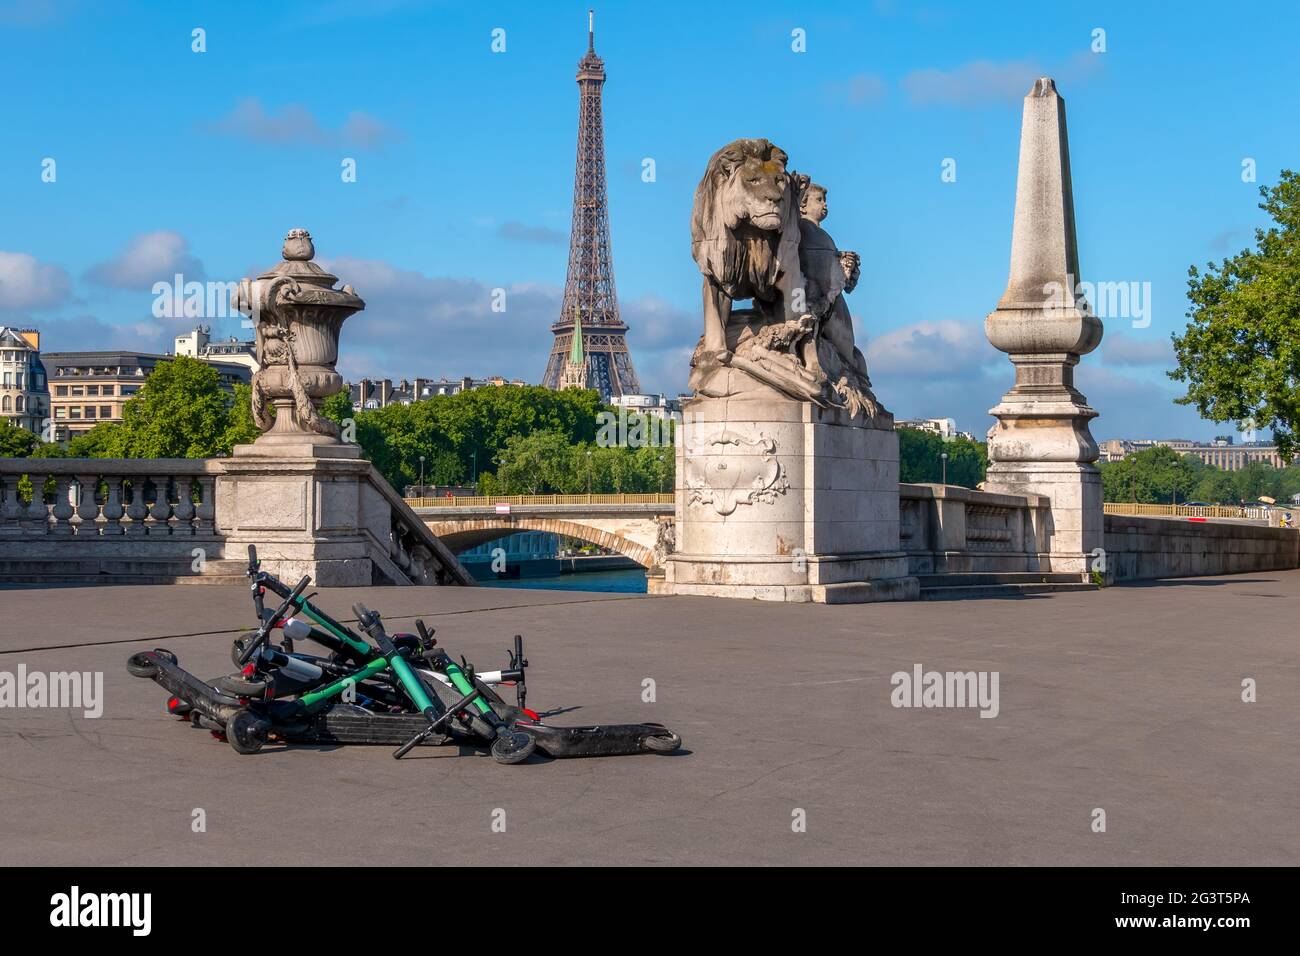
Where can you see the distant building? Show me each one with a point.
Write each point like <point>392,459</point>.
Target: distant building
<point>24,392</point>
<point>372,394</point>
<point>945,428</point>
<point>1221,453</point>
<point>198,344</point>
<point>87,388</point>
<point>657,405</point>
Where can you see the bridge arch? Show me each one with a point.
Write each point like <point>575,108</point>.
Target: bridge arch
<point>460,534</point>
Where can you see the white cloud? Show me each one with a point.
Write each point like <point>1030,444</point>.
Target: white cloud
<point>148,258</point>
<point>862,89</point>
<point>26,283</point>
<point>522,232</point>
<point>944,348</point>
<point>1155,349</point>
<point>295,125</point>
<point>987,81</point>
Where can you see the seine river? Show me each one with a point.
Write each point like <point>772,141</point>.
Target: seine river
<point>630,581</point>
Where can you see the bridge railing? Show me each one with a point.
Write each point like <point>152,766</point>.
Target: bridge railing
<point>1139,510</point>
<point>487,501</point>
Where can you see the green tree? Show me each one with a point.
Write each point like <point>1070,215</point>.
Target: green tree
<point>920,458</point>
<point>240,428</point>
<point>1155,476</point>
<point>181,411</point>
<point>16,442</point>
<point>1240,354</point>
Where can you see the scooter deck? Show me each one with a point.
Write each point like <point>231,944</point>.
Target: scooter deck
<point>351,724</point>
<point>598,740</point>
<point>180,683</point>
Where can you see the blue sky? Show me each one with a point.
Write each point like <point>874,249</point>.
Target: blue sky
<point>169,160</point>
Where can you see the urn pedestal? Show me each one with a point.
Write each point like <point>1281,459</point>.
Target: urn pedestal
<point>782,500</point>
<point>309,510</point>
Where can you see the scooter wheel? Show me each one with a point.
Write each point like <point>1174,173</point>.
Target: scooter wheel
<point>236,686</point>
<point>139,665</point>
<point>246,732</point>
<point>513,746</point>
<point>664,744</point>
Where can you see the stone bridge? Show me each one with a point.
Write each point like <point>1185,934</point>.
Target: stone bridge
<point>628,524</point>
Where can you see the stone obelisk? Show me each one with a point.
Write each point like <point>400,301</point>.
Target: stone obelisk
<point>1041,443</point>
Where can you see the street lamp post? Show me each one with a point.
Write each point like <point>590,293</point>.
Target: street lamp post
<point>944,457</point>
<point>588,474</point>
<point>661,474</point>
<point>421,476</point>
<point>474,477</point>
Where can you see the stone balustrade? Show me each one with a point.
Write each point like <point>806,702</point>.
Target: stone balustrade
<point>107,498</point>
<point>84,520</point>
<point>949,529</point>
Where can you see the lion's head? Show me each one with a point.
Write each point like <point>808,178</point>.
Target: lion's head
<point>745,211</point>
<point>745,181</point>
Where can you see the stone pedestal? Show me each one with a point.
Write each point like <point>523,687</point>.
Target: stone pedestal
<point>781,500</point>
<point>309,510</point>
<point>1075,523</point>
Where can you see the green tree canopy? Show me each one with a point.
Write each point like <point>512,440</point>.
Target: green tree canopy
<point>180,412</point>
<point>920,458</point>
<point>1240,354</point>
<point>15,442</point>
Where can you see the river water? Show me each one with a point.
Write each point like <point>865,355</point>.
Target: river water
<point>629,581</point>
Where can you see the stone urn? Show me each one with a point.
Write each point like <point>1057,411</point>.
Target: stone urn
<point>297,315</point>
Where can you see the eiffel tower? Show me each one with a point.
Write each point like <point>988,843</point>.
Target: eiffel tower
<point>590,307</point>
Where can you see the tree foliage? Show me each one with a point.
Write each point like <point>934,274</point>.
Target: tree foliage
<point>1240,354</point>
<point>465,437</point>
<point>1163,476</point>
<point>920,458</point>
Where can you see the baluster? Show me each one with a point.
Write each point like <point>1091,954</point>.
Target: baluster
<point>161,509</point>
<point>87,509</point>
<point>62,510</point>
<point>207,506</point>
<point>113,509</point>
<point>135,509</point>
<point>35,519</point>
<point>11,509</point>
<point>184,506</point>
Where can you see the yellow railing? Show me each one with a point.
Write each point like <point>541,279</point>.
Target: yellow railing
<point>488,501</point>
<point>1178,511</point>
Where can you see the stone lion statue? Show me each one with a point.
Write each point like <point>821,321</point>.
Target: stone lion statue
<point>745,236</point>
<point>756,234</point>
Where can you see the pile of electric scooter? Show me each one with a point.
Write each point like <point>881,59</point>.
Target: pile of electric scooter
<point>399,689</point>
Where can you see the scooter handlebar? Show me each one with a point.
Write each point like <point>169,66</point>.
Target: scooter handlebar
<point>262,632</point>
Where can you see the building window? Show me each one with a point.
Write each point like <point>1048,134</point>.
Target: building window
<point>18,404</point>
<point>6,404</point>
<point>92,389</point>
<point>108,390</point>
<point>60,412</point>
<point>61,390</point>
<point>90,411</point>
<point>78,391</point>
<point>74,412</point>
<point>105,411</point>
